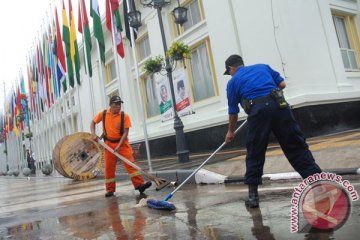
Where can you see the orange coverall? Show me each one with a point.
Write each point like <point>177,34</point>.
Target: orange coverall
<point>112,125</point>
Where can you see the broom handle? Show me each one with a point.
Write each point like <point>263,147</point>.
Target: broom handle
<point>127,161</point>
<point>196,170</point>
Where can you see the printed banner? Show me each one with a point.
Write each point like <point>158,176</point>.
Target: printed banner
<point>165,103</point>
<point>181,89</point>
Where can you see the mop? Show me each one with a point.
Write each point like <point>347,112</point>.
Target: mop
<point>164,204</point>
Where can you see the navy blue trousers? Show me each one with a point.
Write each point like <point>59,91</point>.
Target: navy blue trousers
<point>266,117</point>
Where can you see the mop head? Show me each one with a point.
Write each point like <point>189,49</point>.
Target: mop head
<point>160,204</point>
<point>142,203</point>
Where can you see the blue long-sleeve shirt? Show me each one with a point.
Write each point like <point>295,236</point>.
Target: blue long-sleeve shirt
<point>250,82</point>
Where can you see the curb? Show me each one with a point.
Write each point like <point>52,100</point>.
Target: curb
<point>170,175</point>
<point>293,175</point>
<point>204,176</point>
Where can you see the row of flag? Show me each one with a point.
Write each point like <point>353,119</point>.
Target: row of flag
<point>54,61</point>
<point>13,120</point>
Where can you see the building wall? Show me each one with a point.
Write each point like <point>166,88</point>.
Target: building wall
<point>295,37</point>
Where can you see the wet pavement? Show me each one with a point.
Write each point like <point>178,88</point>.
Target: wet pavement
<point>59,208</point>
<point>339,150</point>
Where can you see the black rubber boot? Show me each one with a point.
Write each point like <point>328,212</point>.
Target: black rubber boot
<point>143,187</point>
<point>109,194</point>
<point>253,200</point>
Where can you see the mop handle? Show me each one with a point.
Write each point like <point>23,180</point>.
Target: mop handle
<point>127,161</point>
<point>196,170</point>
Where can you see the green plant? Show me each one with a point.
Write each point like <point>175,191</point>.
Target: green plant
<point>178,51</point>
<point>153,65</point>
<point>29,135</point>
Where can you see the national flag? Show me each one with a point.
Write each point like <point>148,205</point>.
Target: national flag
<point>59,52</point>
<point>98,32</point>
<point>49,65</point>
<point>17,110</point>
<point>112,13</point>
<point>86,33</point>
<point>53,54</point>
<point>22,83</point>
<point>66,39</point>
<point>29,75</point>
<point>18,99</point>
<point>46,78</point>
<point>126,20</point>
<point>74,50</point>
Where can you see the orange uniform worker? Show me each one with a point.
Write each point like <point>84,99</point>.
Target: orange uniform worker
<point>120,143</point>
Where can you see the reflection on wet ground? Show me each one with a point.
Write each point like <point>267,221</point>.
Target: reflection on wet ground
<point>203,212</point>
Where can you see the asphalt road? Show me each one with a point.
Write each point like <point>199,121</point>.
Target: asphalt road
<point>59,208</point>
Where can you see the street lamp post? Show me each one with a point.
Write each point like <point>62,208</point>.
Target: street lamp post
<point>180,17</point>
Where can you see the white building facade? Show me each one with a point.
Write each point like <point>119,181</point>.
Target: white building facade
<point>314,44</point>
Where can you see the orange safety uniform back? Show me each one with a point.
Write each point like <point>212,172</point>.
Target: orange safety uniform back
<point>114,125</point>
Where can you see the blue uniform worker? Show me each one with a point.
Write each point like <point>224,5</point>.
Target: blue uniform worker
<point>258,89</point>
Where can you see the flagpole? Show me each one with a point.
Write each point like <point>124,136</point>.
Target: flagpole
<point>115,50</point>
<point>29,100</point>
<point>95,14</point>
<point>86,57</point>
<point>49,119</point>
<point>41,107</point>
<point>36,107</point>
<point>18,152</point>
<point>52,86</point>
<point>138,90</point>
<point>7,131</point>
<point>75,44</point>
<point>60,98</point>
<point>67,80</point>
<point>21,78</point>
<point>57,87</point>
<point>101,75</point>
<point>47,139</point>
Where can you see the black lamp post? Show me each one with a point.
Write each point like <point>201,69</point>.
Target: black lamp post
<point>180,16</point>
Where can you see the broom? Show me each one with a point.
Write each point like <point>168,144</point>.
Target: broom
<point>164,204</point>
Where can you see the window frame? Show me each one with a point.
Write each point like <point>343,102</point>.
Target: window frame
<point>108,72</point>
<point>188,69</point>
<point>352,35</point>
<point>145,95</point>
<point>138,42</point>
<point>179,30</point>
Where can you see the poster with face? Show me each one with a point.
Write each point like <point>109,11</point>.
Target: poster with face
<point>165,103</point>
<point>181,89</point>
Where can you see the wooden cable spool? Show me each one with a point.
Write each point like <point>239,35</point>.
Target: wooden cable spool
<point>79,157</point>
<point>56,157</point>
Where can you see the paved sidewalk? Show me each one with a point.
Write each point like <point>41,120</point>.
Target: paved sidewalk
<point>338,152</point>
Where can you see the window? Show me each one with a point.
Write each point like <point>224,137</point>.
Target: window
<point>201,75</point>
<point>150,97</point>
<point>193,14</point>
<point>110,72</point>
<point>348,41</point>
<point>143,46</point>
